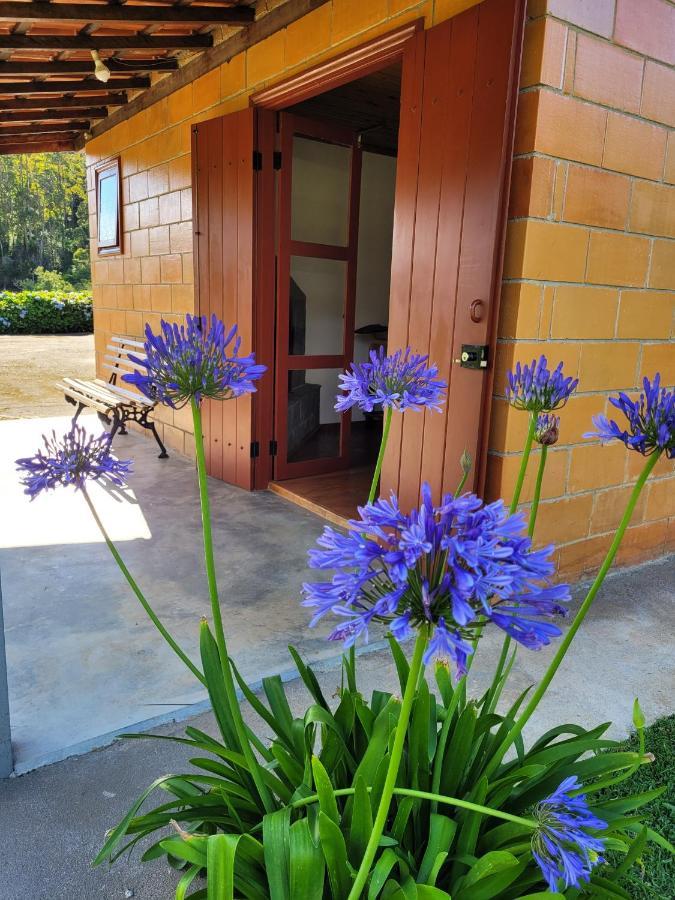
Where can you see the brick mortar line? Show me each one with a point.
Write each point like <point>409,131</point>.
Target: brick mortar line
<point>604,229</point>
<point>600,285</point>
<point>539,154</point>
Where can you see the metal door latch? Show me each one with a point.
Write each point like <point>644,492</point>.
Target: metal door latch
<point>473,356</point>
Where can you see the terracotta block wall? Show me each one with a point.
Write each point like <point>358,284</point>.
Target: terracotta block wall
<point>153,279</point>
<point>589,274</point>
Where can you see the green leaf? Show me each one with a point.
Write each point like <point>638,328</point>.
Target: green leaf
<point>309,679</point>
<point>276,844</point>
<point>213,673</point>
<point>402,667</point>
<point>639,720</point>
<point>324,790</point>
<point>220,853</point>
<point>381,872</point>
<point>457,753</point>
<point>186,881</point>
<point>307,866</point>
<point>190,850</point>
<point>276,697</point>
<point>361,821</point>
<point>335,854</point>
<point>441,833</point>
<point>428,892</point>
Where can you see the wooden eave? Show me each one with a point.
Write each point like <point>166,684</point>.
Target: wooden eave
<point>151,49</point>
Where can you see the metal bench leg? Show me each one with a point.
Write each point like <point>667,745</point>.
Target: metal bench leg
<point>115,427</point>
<point>152,427</point>
<point>123,428</point>
<point>80,407</point>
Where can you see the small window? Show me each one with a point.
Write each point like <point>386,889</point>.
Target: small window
<point>109,208</point>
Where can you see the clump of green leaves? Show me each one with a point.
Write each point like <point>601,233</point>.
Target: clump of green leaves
<point>45,312</point>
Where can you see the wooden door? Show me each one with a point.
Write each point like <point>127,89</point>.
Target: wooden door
<point>223,195</point>
<point>319,188</point>
<point>457,108</point>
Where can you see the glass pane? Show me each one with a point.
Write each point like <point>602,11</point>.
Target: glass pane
<point>313,424</point>
<point>316,306</point>
<point>320,192</point>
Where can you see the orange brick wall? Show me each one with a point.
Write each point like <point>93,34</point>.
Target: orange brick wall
<point>153,279</point>
<point>589,273</point>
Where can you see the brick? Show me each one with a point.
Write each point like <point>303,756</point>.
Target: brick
<point>593,466</point>
<point>353,16</point>
<point>546,313</point>
<point>188,268</point>
<point>138,186</point>
<point>576,417</point>
<point>502,473</point>
<point>545,250</point>
<point>519,310</point>
<point>160,297</point>
<point>570,61</point>
<point>658,93</point>
<point>597,16</point>
<point>531,189</point>
<point>662,270</point>
<point>308,36</point>
<point>139,242</point>
<point>130,218</point>
<point>636,463</point>
<point>567,519</point>
<point>669,168</point>
<point>150,270</point>
<point>266,59</point>
<point>659,358</point>
<point>182,298</point>
<point>543,53</point>
<point>180,104</point>
<point>585,557</point>
<point>181,237</point>
<point>169,208</point>
<point>508,427</point>
<point>652,209</point>
<point>148,212</point>
<point>186,203</point>
<point>206,91</point>
<point>619,259</point>
<point>125,296</point>
<point>660,499</point>
<point>634,147</point>
<point>641,543</point>
<point>233,76</point>
<point>133,323</point>
<point>180,173</point>
<point>598,198</point>
<point>159,240</point>
<point>608,366</point>
<point>607,74</point>
<point>158,180</point>
<point>609,507</point>
<point>645,315</point>
<point>116,271</point>
<point>171,268</point>
<point>584,312</point>
<point>560,126</point>
<point>560,184</point>
<point>647,26</point>
<point>141,294</point>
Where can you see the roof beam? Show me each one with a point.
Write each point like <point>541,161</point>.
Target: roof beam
<point>34,103</point>
<point>112,42</point>
<point>15,146</point>
<point>36,138</point>
<point>86,66</point>
<point>38,116</point>
<point>71,87</point>
<point>104,12</point>
<point>42,128</point>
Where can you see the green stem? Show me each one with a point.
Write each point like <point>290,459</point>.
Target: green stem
<point>416,668</point>
<point>139,594</point>
<point>534,509</point>
<point>578,619</point>
<point>380,456</point>
<point>461,484</point>
<point>523,462</point>
<point>228,680</point>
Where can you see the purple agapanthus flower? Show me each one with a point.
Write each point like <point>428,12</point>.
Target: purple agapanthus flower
<point>454,567</point>
<point>198,359</point>
<point>651,420</point>
<point>563,845</point>
<point>535,388</point>
<point>72,459</point>
<point>547,429</point>
<point>404,380</point>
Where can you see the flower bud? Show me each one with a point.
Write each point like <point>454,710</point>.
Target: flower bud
<point>465,461</point>
<point>547,429</point>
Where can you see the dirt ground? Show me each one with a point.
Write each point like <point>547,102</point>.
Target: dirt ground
<point>29,366</point>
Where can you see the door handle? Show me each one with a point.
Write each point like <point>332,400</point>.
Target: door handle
<point>476,310</point>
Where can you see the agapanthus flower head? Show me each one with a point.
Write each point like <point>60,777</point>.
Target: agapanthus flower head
<point>563,844</point>
<point>404,380</point>
<point>650,420</point>
<point>453,568</point>
<point>194,360</point>
<point>535,388</point>
<point>547,429</point>
<point>72,459</point>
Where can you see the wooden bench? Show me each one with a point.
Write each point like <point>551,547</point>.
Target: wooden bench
<point>115,405</point>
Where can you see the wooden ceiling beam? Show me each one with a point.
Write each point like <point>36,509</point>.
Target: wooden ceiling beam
<point>15,147</point>
<point>86,66</point>
<point>47,114</point>
<point>35,103</point>
<point>42,128</point>
<point>113,42</point>
<point>72,87</point>
<point>36,138</point>
<point>33,12</point>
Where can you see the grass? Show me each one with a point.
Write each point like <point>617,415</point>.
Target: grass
<point>653,878</point>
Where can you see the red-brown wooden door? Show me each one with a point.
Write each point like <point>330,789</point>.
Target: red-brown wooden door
<point>319,188</point>
<point>457,106</point>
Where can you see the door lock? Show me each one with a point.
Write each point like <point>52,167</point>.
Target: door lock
<point>473,356</point>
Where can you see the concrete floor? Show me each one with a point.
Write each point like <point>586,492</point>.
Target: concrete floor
<point>29,393</point>
<point>83,659</point>
<point>53,820</point>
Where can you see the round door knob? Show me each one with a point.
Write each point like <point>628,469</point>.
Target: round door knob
<point>476,310</point>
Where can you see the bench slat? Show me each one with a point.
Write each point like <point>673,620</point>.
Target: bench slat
<point>132,396</point>
<point>98,390</point>
<point>130,342</point>
<point>116,362</point>
<point>120,350</point>
<point>80,397</point>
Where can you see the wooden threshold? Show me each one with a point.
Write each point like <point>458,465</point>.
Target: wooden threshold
<point>333,497</point>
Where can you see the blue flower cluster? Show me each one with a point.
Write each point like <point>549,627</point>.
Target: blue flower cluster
<point>453,567</point>
<point>537,389</point>
<point>72,459</point>
<point>562,845</point>
<point>194,360</point>
<point>401,381</point>
<point>651,420</point>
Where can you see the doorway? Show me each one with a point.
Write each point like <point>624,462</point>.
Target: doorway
<point>336,190</point>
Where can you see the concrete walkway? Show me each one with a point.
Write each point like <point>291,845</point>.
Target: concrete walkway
<point>84,661</point>
<point>53,820</point>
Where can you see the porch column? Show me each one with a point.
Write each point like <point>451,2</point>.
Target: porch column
<point>6,761</point>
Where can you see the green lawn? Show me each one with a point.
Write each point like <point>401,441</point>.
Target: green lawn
<point>654,877</point>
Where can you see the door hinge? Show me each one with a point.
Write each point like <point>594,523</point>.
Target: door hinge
<point>273,448</point>
<point>255,449</point>
<point>257,160</point>
<point>276,159</point>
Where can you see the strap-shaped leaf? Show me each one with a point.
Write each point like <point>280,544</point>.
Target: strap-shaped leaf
<point>335,854</point>
<point>458,751</point>
<point>381,872</point>
<point>441,833</point>
<point>401,663</point>
<point>276,844</point>
<point>361,821</point>
<point>220,854</point>
<point>213,673</point>
<point>324,789</point>
<point>307,865</point>
<point>309,678</point>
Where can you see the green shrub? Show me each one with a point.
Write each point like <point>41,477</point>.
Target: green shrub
<point>45,312</point>
<point>46,280</point>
